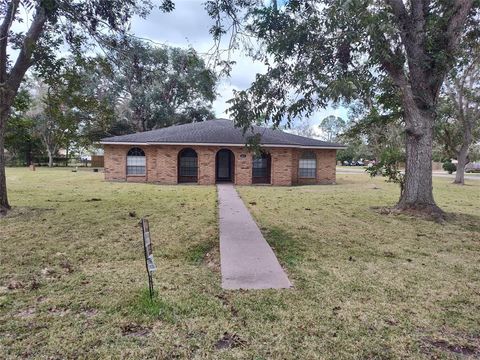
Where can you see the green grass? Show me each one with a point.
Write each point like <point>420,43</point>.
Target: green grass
<point>366,285</point>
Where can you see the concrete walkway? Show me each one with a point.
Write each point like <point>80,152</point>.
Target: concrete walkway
<point>247,261</point>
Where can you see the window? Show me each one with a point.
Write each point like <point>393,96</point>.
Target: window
<point>260,165</point>
<point>261,169</point>
<point>188,165</point>
<point>135,162</point>
<point>307,165</point>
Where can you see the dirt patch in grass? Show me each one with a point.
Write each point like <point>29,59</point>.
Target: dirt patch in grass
<point>469,350</point>
<point>135,330</point>
<point>228,341</point>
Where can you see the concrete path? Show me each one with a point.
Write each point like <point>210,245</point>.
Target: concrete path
<point>247,261</point>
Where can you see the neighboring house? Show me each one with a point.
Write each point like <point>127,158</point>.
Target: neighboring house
<point>214,151</point>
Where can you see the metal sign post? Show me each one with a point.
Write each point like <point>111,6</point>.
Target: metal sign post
<point>147,246</point>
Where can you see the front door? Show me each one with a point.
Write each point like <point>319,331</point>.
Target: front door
<point>224,165</point>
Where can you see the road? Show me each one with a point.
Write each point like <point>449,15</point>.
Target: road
<point>360,170</point>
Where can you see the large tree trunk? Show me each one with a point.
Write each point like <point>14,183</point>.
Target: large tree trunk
<point>417,195</point>
<point>4,205</point>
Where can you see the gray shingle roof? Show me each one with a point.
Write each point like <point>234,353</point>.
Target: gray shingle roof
<point>218,131</point>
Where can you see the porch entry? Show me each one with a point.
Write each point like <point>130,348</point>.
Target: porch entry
<point>224,166</point>
<point>261,169</point>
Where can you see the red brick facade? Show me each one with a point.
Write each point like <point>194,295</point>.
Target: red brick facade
<point>162,161</point>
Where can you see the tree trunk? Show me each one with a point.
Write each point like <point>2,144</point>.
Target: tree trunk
<point>28,154</point>
<point>417,195</point>
<point>4,205</point>
<point>50,158</point>
<point>462,157</point>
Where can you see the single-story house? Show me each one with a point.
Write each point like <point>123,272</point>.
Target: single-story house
<point>214,151</point>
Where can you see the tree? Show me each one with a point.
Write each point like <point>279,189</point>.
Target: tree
<point>378,123</point>
<point>342,51</point>
<point>159,86</point>
<point>20,139</point>
<point>99,117</point>
<point>52,22</point>
<point>303,128</point>
<point>458,125</point>
<point>332,126</point>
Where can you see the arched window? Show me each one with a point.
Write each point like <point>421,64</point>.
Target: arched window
<point>187,166</point>
<point>307,165</point>
<point>136,161</point>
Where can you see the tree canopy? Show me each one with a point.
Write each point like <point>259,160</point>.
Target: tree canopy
<point>159,86</point>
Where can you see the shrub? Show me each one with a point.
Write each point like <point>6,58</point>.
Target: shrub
<point>389,167</point>
<point>449,167</point>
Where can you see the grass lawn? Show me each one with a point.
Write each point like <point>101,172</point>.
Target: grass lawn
<point>73,283</point>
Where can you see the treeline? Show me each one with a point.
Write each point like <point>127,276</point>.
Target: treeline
<point>133,86</point>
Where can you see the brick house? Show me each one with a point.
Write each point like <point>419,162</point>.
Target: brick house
<point>214,151</point>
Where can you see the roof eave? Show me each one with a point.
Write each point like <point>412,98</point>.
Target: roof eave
<point>335,147</point>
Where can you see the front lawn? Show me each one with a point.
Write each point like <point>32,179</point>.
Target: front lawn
<point>73,284</point>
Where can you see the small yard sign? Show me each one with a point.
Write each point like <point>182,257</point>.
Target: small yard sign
<point>147,246</point>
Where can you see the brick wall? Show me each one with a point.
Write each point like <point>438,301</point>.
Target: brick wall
<point>115,162</point>
<point>326,167</point>
<point>161,164</point>
<point>282,164</point>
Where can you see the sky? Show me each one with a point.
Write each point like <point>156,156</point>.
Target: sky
<point>188,26</point>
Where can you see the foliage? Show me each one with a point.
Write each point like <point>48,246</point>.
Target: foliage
<point>449,166</point>
<point>159,86</point>
<point>20,140</point>
<point>303,128</point>
<point>389,167</point>
<point>338,51</point>
<point>64,105</point>
<point>457,124</point>
<point>356,149</point>
<point>332,126</point>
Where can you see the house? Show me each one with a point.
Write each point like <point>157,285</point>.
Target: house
<point>214,151</point>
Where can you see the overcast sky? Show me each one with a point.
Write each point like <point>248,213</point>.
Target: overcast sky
<point>188,25</point>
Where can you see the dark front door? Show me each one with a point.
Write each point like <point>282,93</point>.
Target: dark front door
<point>261,169</point>
<point>224,165</point>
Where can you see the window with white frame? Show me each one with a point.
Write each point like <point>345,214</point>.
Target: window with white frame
<point>307,165</point>
<point>136,162</point>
